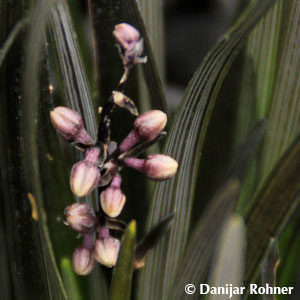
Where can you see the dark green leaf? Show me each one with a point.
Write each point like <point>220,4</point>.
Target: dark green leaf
<point>203,240</point>
<point>184,143</point>
<point>11,38</point>
<point>75,84</point>
<point>272,207</point>
<point>121,281</point>
<point>153,237</point>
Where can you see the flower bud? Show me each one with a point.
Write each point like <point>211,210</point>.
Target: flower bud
<point>69,125</point>
<point>112,199</point>
<point>155,166</point>
<point>132,46</point>
<point>80,217</point>
<point>150,124</point>
<point>83,261</point>
<point>126,36</point>
<point>106,251</point>
<point>85,174</point>
<point>146,127</point>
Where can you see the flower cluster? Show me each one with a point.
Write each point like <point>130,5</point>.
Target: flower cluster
<point>104,159</point>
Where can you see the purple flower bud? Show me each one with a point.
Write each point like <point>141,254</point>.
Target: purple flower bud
<point>85,174</point>
<point>150,124</point>
<point>80,217</point>
<point>132,46</point>
<point>69,125</point>
<point>83,261</point>
<point>146,127</point>
<point>155,166</point>
<point>106,251</point>
<point>126,36</point>
<point>112,199</point>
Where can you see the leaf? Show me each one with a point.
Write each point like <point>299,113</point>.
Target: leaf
<point>273,91</point>
<point>272,208</point>
<point>75,84</point>
<point>33,267</point>
<point>283,115</point>
<point>268,272</point>
<point>184,143</point>
<point>228,265</point>
<point>29,135</point>
<point>153,237</point>
<point>12,37</point>
<point>204,236</point>
<point>70,279</point>
<point>122,276</point>
<point>153,17</point>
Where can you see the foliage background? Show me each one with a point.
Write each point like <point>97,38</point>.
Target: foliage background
<point>243,79</point>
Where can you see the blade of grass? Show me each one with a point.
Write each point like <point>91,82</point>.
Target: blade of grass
<point>122,276</point>
<point>184,144</point>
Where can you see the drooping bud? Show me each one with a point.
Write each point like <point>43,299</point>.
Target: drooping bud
<point>69,125</point>
<point>146,127</point>
<point>83,261</point>
<point>80,217</point>
<point>106,249</point>
<point>112,199</point>
<point>132,46</point>
<point>155,166</point>
<point>85,174</point>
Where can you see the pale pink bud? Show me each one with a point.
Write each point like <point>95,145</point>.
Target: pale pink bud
<point>80,217</point>
<point>155,166</point>
<point>126,36</point>
<point>131,44</point>
<point>150,124</point>
<point>85,174</point>
<point>146,127</point>
<point>69,125</point>
<point>83,261</point>
<point>106,251</point>
<point>112,199</point>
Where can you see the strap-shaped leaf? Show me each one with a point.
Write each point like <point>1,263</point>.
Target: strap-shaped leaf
<point>122,276</point>
<point>228,262</point>
<point>205,234</point>
<point>270,87</point>
<point>268,272</point>
<point>272,208</point>
<point>75,84</point>
<point>184,144</point>
<point>197,256</point>
<point>34,270</point>
<point>11,38</point>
